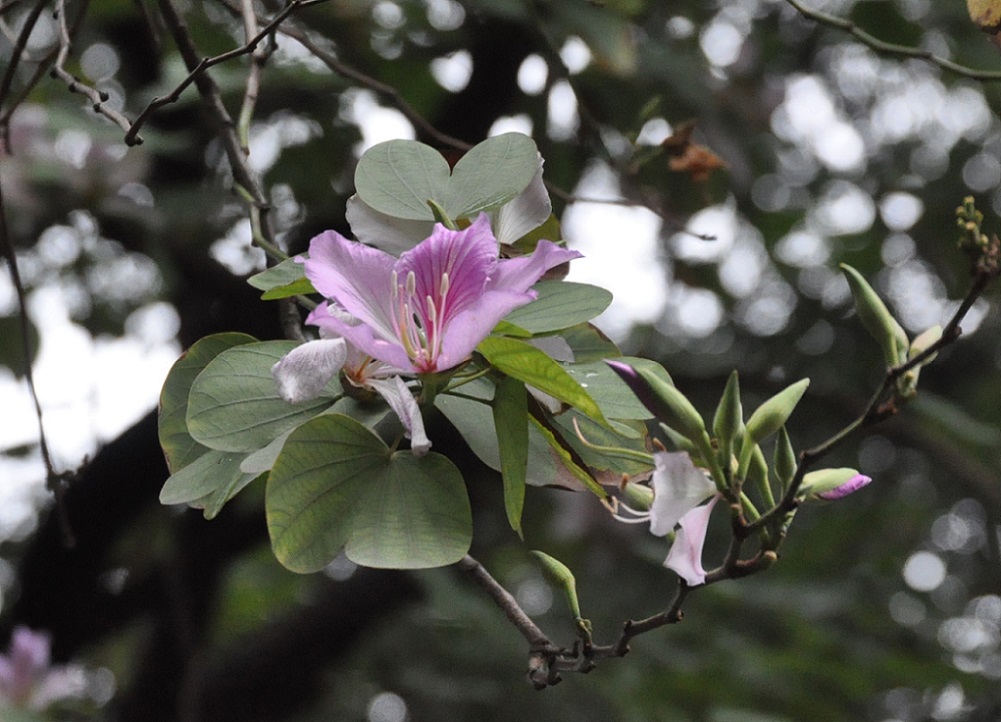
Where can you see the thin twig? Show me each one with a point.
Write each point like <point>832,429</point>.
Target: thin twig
<point>98,98</point>
<point>881,46</point>
<point>56,482</point>
<point>15,58</point>
<point>196,70</point>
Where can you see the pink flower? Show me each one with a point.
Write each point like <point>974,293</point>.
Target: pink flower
<point>427,310</point>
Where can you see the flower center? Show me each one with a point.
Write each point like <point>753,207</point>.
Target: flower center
<point>420,321</point>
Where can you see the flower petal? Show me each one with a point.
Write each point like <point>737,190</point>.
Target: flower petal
<point>529,210</point>
<point>469,257</point>
<point>302,373</point>
<point>362,337</point>
<point>685,557</point>
<point>465,330</point>
<point>393,235</point>
<point>357,277</point>
<point>678,487</point>
<point>520,274</point>
<point>402,401</point>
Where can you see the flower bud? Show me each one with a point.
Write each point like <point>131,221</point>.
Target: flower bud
<point>664,401</point>
<point>772,415</point>
<point>729,414</point>
<point>785,458</point>
<point>557,573</point>
<point>832,484</point>
<point>876,318</point>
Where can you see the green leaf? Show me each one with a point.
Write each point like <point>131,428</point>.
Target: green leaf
<point>534,367</point>
<point>627,462</point>
<point>610,392</point>
<point>588,343</point>
<point>491,174</point>
<point>561,304</point>
<point>234,404</point>
<point>475,423</point>
<point>178,446</point>
<point>511,421</point>
<point>337,485</point>
<point>579,473</point>
<point>208,482</point>
<point>399,177</point>
<point>286,279</point>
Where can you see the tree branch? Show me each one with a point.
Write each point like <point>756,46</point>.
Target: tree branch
<point>881,46</point>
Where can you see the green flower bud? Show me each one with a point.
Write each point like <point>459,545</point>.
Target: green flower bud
<point>876,318</point>
<point>558,574</point>
<point>772,415</point>
<point>665,402</point>
<point>785,458</point>
<point>729,414</point>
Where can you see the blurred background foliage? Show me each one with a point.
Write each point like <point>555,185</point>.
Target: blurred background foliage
<point>884,606</point>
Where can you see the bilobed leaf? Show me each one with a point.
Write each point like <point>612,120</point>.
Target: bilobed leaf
<point>178,446</point>
<point>234,403</point>
<point>490,174</point>
<point>399,176</point>
<point>511,421</point>
<point>534,367</point>
<point>560,304</point>
<point>337,485</point>
<point>566,459</point>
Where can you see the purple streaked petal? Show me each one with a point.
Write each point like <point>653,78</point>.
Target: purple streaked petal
<point>364,338</point>
<point>678,487</point>
<point>469,257</point>
<point>520,274</point>
<point>357,277</point>
<point>473,324</point>
<point>302,373</point>
<point>401,400</point>
<point>849,487</point>
<point>685,557</point>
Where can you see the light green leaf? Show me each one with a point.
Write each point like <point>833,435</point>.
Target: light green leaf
<point>208,482</point>
<point>534,367</point>
<point>589,343</point>
<point>561,304</point>
<point>399,176</point>
<point>286,279</point>
<point>337,485</point>
<point>511,421</point>
<point>475,423</point>
<point>234,404</point>
<point>610,392</point>
<point>490,174</point>
<point>598,435</point>
<point>178,446</point>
